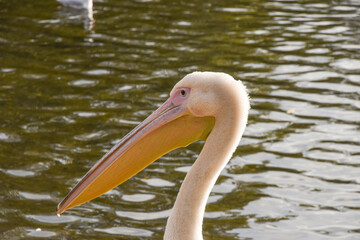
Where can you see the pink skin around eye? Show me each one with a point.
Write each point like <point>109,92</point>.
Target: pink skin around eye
<point>177,98</point>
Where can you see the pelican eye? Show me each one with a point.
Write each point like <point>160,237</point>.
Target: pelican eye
<point>183,92</point>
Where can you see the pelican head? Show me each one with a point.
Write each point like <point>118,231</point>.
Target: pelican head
<point>200,105</point>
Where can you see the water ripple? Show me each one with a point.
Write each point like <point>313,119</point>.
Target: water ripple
<point>126,231</point>
<point>71,89</point>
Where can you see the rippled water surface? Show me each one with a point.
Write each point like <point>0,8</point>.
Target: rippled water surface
<point>74,82</point>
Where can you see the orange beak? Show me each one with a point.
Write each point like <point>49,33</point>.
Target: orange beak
<point>169,127</point>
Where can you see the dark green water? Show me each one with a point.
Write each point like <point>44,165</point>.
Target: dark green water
<point>71,87</point>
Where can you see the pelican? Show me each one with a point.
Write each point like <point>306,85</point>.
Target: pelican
<point>202,106</point>
<point>79,10</point>
<point>80,4</point>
